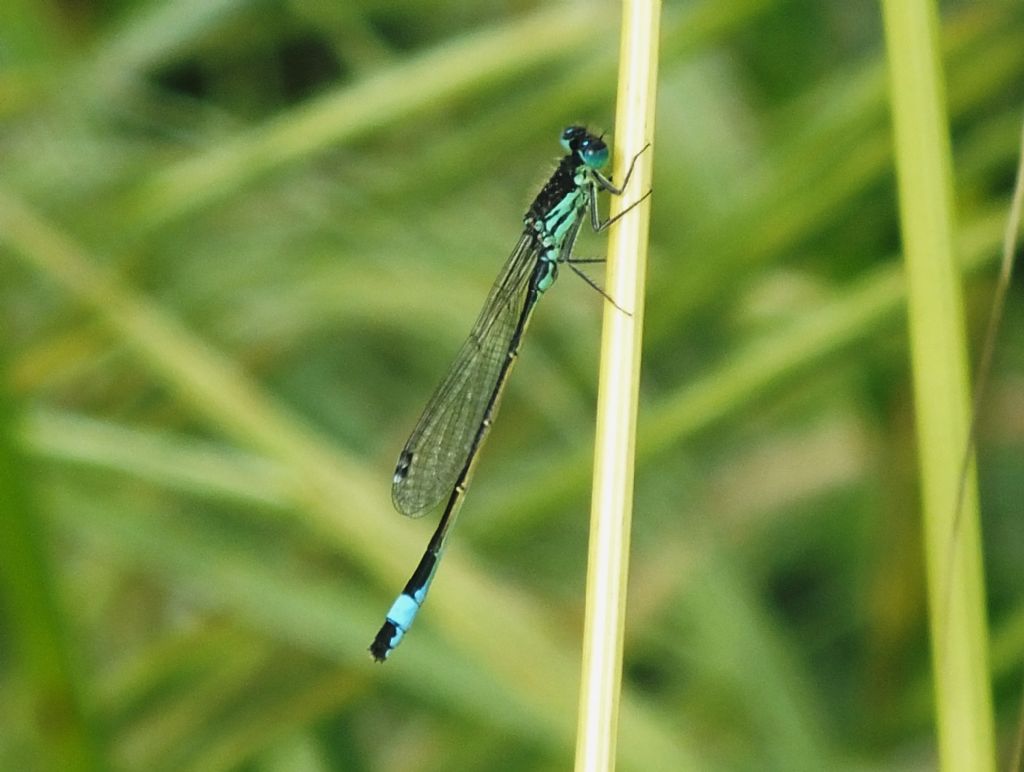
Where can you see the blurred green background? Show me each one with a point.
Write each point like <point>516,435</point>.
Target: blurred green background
<point>241,241</point>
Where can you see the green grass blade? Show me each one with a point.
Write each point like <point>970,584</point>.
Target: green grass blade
<point>51,686</point>
<point>941,393</point>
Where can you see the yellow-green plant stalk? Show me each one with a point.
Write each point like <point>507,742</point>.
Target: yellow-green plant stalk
<point>941,393</point>
<point>611,508</point>
<point>1006,269</point>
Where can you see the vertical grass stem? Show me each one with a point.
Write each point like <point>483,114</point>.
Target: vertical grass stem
<point>956,594</point>
<point>611,507</point>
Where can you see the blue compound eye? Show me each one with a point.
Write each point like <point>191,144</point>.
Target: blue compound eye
<point>594,153</point>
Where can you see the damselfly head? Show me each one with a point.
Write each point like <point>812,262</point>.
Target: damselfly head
<point>591,150</point>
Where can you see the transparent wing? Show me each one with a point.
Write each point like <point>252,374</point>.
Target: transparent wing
<point>443,438</point>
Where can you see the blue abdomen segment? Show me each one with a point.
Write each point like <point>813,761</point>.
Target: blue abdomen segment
<point>400,618</point>
<point>403,611</point>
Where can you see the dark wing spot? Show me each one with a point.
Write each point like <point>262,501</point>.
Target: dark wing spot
<point>402,468</point>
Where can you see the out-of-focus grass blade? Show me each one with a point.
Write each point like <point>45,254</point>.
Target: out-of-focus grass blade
<point>51,684</point>
<point>555,32</point>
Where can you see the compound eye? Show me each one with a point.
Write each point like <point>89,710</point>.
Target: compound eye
<point>594,153</point>
<point>570,133</point>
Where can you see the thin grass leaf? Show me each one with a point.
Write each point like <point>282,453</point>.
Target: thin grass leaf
<point>942,403</point>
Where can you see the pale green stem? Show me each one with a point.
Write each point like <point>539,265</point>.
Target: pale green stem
<point>941,393</point>
<point>618,391</point>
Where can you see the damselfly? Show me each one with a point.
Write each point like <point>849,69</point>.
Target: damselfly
<point>437,460</point>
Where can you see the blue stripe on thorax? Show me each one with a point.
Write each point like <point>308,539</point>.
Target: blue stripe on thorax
<point>555,226</point>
